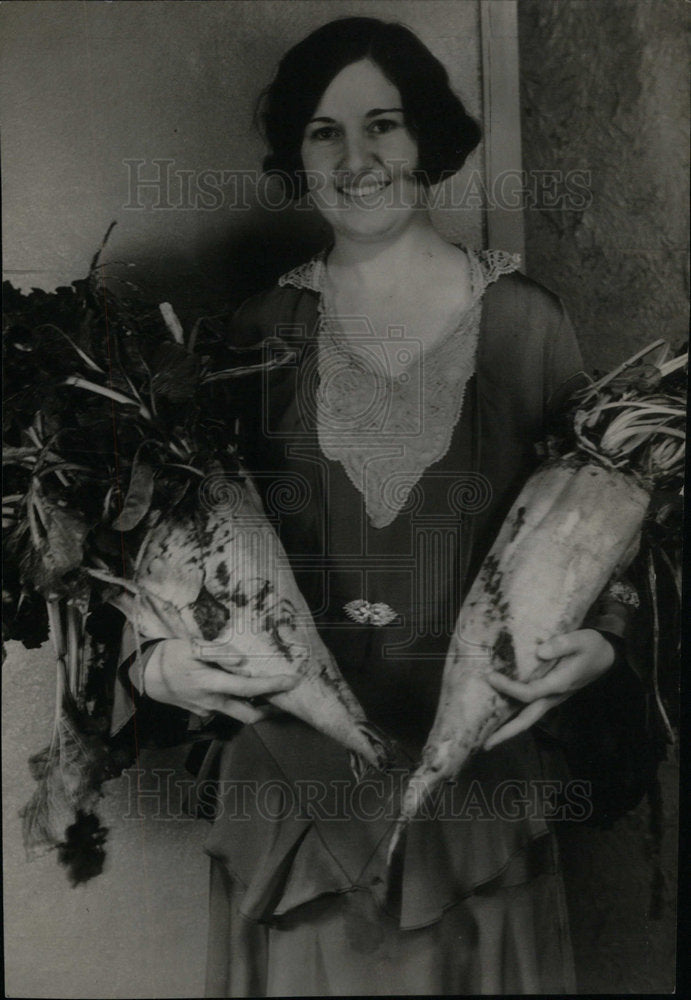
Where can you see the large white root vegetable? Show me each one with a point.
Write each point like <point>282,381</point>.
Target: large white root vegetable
<point>566,534</point>
<point>220,576</point>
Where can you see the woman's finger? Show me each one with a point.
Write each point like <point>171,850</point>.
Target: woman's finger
<point>558,646</point>
<point>229,659</point>
<point>235,686</point>
<point>559,681</point>
<point>241,710</point>
<point>584,656</point>
<point>526,718</point>
<point>585,641</point>
<point>226,656</point>
<point>175,677</point>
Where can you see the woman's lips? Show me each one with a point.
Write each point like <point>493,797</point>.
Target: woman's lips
<point>363,190</point>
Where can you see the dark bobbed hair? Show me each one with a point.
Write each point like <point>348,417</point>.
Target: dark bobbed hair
<point>444,131</point>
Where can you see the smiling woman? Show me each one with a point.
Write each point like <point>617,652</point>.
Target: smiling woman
<point>410,92</point>
<point>420,366</point>
<point>386,457</point>
<point>359,155</point>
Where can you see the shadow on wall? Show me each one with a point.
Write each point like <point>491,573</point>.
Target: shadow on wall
<point>133,87</point>
<point>225,268</point>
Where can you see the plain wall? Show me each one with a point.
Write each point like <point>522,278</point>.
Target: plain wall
<point>85,86</point>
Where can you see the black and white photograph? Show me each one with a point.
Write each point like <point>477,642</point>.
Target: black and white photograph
<point>344,421</point>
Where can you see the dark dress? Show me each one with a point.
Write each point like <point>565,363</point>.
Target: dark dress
<point>301,901</point>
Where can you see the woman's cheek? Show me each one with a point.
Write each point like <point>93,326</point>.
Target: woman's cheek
<point>403,152</point>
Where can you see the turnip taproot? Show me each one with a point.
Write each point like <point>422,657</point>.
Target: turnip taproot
<point>574,526</point>
<point>218,575</point>
<point>560,544</point>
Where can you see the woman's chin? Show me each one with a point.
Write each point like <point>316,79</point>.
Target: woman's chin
<point>369,226</point>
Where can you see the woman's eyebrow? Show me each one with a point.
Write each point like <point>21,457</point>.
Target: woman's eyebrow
<point>381,111</point>
<point>374,113</point>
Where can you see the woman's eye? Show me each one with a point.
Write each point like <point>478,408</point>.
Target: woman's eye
<point>383,125</point>
<point>325,133</point>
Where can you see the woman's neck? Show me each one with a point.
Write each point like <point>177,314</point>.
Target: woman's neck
<point>388,260</point>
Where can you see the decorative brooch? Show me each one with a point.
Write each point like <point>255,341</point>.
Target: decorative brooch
<point>365,613</point>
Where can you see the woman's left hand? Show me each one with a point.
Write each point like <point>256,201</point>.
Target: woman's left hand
<point>583,656</point>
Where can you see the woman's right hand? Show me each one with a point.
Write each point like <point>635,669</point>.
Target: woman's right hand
<point>175,675</point>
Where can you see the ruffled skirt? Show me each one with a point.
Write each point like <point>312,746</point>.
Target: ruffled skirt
<point>503,939</point>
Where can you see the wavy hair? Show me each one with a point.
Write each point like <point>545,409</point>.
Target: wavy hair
<point>443,130</point>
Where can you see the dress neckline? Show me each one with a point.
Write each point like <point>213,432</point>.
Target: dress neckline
<point>311,273</point>
<point>486,266</point>
<point>456,323</point>
<point>387,430</point>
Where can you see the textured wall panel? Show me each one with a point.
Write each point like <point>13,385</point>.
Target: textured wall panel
<point>604,89</point>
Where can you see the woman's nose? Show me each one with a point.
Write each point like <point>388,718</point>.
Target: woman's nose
<point>356,155</point>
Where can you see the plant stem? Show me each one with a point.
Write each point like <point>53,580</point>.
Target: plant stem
<point>57,635</point>
<point>172,322</point>
<point>118,397</point>
<point>652,583</point>
<point>115,580</point>
<point>89,362</point>
<point>606,379</point>
<point>73,651</point>
<point>673,365</point>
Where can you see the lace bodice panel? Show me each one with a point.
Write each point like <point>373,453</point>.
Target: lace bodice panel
<point>386,429</point>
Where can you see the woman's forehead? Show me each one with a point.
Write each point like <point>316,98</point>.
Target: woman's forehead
<point>358,89</point>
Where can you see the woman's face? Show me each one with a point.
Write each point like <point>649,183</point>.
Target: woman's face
<point>358,155</point>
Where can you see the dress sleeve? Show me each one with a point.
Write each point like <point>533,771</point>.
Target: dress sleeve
<point>562,366</point>
<point>612,613</point>
<point>129,680</point>
<point>564,375</point>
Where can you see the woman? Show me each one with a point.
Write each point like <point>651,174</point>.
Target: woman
<point>423,368</point>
